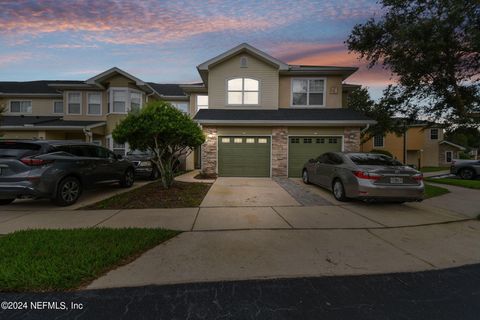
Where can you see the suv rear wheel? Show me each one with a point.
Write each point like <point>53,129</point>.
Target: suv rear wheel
<point>6,201</point>
<point>128,178</point>
<point>68,191</point>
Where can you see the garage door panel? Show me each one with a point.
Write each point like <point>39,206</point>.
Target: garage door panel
<point>244,159</point>
<point>301,149</point>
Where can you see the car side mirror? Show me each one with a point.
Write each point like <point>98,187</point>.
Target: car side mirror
<point>119,157</point>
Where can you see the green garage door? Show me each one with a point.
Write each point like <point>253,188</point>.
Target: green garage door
<point>301,149</point>
<point>243,156</point>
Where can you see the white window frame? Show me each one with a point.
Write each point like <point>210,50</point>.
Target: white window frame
<point>242,91</point>
<point>308,93</point>
<point>127,102</point>
<point>53,107</point>
<point>109,145</point>
<point>451,158</point>
<point>176,103</point>
<point>438,133</point>
<point>383,141</point>
<point>201,106</point>
<point>88,103</point>
<point>19,100</point>
<point>68,103</point>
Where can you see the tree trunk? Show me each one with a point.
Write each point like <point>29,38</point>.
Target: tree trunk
<point>166,173</point>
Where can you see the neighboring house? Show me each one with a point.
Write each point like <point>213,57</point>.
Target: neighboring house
<point>261,116</point>
<point>267,118</point>
<point>79,110</point>
<point>424,146</point>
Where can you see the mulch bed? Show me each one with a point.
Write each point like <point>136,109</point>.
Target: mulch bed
<point>153,195</point>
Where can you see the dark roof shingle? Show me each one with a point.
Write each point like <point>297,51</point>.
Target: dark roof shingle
<point>35,87</point>
<point>168,89</point>
<point>282,114</point>
<point>44,121</point>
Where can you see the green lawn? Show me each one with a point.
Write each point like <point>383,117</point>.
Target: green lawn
<point>49,260</point>
<point>434,169</point>
<point>472,184</point>
<point>434,191</point>
<point>153,195</point>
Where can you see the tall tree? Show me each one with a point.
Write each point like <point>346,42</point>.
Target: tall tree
<point>165,131</point>
<point>433,48</point>
<point>381,111</point>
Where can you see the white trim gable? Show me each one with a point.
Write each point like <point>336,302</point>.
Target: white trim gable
<point>112,71</point>
<point>244,47</point>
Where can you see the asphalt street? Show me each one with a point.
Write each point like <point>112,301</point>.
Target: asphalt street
<point>443,294</point>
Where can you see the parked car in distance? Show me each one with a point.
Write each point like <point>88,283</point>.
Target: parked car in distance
<point>142,161</point>
<point>364,176</point>
<point>59,170</point>
<point>465,169</point>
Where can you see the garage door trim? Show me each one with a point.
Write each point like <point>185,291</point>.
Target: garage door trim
<point>310,136</point>
<point>248,135</point>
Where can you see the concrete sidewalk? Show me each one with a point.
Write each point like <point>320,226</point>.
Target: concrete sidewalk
<point>260,254</point>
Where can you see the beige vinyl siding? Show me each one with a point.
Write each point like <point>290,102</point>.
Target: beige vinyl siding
<point>430,154</point>
<point>84,107</point>
<point>19,134</point>
<point>40,106</point>
<point>112,121</point>
<point>257,69</point>
<point>120,81</point>
<point>332,100</point>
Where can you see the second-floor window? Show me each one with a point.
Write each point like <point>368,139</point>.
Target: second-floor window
<point>308,92</point>
<point>242,91</point>
<point>119,101</point>
<point>21,106</point>
<point>94,103</point>
<point>58,106</point>
<point>74,103</point>
<point>434,134</point>
<point>378,141</point>
<point>202,102</point>
<point>182,106</point>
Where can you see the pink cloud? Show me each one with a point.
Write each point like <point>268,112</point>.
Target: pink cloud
<point>13,58</point>
<point>332,54</point>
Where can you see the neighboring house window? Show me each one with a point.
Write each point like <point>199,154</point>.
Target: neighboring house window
<point>378,141</point>
<point>94,103</point>
<point>58,106</point>
<point>182,106</point>
<point>242,91</point>
<point>308,92</point>
<point>448,156</point>
<point>74,103</point>
<point>20,106</point>
<point>123,100</point>
<point>119,101</point>
<point>135,101</point>
<point>202,102</point>
<point>434,134</point>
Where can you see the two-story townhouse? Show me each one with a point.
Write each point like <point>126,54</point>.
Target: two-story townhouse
<point>79,110</point>
<point>263,117</point>
<point>423,145</point>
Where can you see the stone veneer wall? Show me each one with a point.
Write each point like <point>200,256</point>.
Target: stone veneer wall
<point>209,151</point>
<point>279,151</point>
<point>442,148</point>
<point>351,139</point>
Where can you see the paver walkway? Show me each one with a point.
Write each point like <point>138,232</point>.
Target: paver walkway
<point>302,194</point>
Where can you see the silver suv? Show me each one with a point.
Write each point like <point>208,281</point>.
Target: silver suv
<point>59,170</point>
<point>466,169</point>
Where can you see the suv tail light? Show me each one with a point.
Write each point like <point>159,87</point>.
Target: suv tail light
<point>418,177</point>
<point>35,162</point>
<point>367,175</point>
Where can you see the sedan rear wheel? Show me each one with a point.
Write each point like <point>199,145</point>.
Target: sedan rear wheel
<point>305,177</point>
<point>339,190</point>
<point>467,174</point>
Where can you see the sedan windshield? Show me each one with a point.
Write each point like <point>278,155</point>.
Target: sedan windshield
<point>371,159</point>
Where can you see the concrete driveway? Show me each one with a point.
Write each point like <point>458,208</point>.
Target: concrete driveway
<point>247,192</point>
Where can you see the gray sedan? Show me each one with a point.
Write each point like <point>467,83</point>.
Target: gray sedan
<point>364,176</point>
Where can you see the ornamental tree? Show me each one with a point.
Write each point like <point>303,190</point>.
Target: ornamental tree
<point>432,47</point>
<point>165,131</point>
